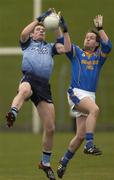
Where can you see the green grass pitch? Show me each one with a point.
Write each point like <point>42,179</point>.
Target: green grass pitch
<point>20,153</point>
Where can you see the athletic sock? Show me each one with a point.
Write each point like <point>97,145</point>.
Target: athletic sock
<point>89,140</point>
<point>46,158</point>
<point>14,111</point>
<point>67,157</point>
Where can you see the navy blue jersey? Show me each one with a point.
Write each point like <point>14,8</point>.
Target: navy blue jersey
<point>38,57</point>
<point>86,66</point>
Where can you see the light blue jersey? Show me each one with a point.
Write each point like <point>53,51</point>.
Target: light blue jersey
<point>38,58</point>
<point>86,66</point>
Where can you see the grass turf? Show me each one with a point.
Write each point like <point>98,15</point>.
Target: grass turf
<point>20,153</point>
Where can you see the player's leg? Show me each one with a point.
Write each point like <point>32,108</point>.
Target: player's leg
<point>87,105</point>
<point>24,92</point>
<point>80,134</point>
<point>47,115</point>
<point>73,145</point>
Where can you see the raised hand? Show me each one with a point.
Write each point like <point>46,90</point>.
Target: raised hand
<point>98,22</point>
<point>44,15</point>
<point>63,24</point>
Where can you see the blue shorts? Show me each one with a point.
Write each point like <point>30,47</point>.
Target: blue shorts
<point>40,87</point>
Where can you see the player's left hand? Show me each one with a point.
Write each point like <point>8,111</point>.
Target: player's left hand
<point>63,24</point>
<point>57,13</point>
<point>98,21</point>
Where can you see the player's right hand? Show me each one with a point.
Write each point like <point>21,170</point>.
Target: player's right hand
<point>44,15</point>
<point>98,21</point>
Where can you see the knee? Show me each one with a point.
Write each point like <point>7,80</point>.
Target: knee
<point>50,130</point>
<point>95,111</point>
<point>24,92</point>
<point>80,137</point>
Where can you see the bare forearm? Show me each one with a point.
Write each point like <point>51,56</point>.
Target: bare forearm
<point>103,35</point>
<point>27,30</point>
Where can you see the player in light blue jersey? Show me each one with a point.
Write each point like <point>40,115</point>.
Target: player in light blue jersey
<point>86,64</point>
<point>37,66</point>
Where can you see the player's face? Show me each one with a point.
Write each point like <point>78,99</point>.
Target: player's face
<point>39,33</point>
<point>90,41</point>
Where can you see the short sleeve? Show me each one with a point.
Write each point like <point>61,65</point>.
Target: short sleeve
<point>25,44</point>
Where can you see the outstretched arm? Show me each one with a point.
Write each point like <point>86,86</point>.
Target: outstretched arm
<point>98,22</point>
<point>66,45</point>
<point>25,34</point>
<point>106,45</point>
<point>67,41</point>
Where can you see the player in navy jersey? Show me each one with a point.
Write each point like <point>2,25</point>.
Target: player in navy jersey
<point>86,64</point>
<point>37,66</point>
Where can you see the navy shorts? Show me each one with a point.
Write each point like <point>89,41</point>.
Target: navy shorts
<point>40,87</point>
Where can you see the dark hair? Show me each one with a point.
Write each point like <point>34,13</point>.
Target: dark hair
<point>97,36</point>
<point>40,24</point>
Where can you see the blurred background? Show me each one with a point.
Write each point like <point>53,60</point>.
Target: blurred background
<point>14,16</point>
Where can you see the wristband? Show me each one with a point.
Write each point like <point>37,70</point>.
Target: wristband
<point>63,25</point>
<point>99,28</point>
<point>65,29</point>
